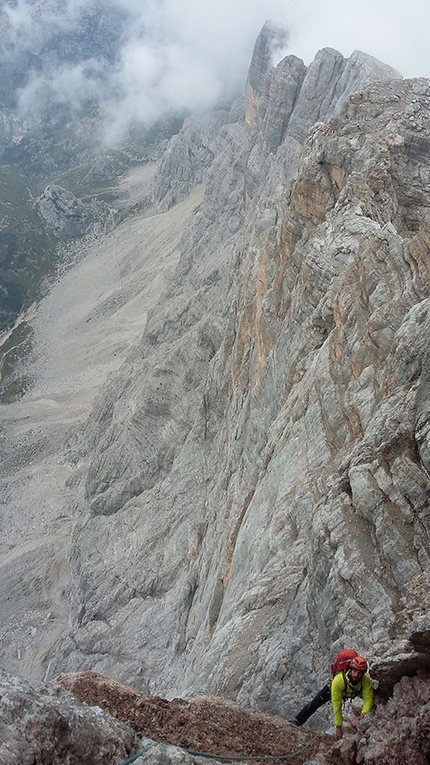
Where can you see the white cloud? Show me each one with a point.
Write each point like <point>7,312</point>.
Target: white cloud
<point>31,22</point>
<point>395,31</point>
<point>187,53</point>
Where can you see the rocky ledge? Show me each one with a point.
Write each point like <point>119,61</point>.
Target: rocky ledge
<point>83,718</point>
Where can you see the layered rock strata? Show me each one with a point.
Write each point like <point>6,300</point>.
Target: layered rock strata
<point>44,723</point>
<point>270,40</point>
<point>274,420</point>
<point>252,491</point>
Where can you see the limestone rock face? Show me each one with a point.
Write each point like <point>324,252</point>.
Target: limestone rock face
<point>44,723</point>
<point>278,101</point>
<point>296,97</point>
<point>274,420</point>
<point>270,39</point>
<point>250,490</point>
<point>188,157</point>
<point>329,80</point>
<point>399,732</point>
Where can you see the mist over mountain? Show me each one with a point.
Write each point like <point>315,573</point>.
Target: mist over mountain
<point>140,60</point>
<point>89,88</point>
<point>218,472</point>
<point>136,61</point>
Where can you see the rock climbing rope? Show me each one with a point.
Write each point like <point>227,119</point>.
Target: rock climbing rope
<point>230,758</point>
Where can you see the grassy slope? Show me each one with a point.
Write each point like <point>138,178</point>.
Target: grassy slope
<point>27,248</point>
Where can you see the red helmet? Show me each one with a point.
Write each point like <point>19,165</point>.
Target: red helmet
<point>359,664</point>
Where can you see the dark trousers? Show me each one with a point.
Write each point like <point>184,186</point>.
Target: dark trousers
<point>321,698</point>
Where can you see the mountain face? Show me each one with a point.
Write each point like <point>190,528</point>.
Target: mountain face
<point>223,465</point>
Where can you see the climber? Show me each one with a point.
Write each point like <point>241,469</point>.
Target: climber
<point>347,684</point>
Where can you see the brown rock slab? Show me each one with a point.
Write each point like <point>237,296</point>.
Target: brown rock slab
<point>204,724</point>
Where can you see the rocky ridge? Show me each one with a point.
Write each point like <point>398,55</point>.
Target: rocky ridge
<point>274,418</point>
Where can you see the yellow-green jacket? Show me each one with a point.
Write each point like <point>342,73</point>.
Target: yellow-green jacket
<point>343,688</point>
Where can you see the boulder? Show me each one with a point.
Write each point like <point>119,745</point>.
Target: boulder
<point>43,723</point>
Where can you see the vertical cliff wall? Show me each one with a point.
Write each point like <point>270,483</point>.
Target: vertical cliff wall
<point>257,491</point>
<point>253,481</point>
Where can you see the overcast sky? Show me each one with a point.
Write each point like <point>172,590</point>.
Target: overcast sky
<point>187,53</point>
<point>395,31</point>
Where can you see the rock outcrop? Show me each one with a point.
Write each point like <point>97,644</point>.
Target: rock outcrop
<point>296,97</point>
<point>281,104</point>
<point>189,156</point>
<point>43,723</point>
<point>399,731</point>
<point>271,39</point>
<point>86,718</point>
<point>66,215</point>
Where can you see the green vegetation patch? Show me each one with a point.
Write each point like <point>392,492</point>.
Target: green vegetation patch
<point>73,153</point>
<point>14,380</point>
<point>28,250</point>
